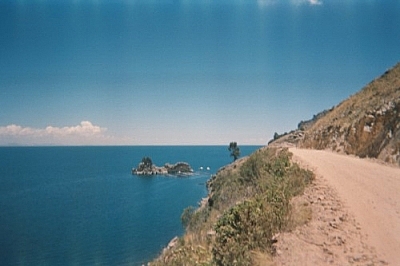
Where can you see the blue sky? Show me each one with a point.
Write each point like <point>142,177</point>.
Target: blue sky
<point>123,72</point>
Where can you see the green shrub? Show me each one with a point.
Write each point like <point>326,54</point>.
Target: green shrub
<point>250,224</point>
<point>192,219</point>
<point>187,215</point>
<point>243,228</point>
<point>250,203</point>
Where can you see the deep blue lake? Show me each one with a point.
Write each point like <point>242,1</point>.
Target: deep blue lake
<point>82,206</point>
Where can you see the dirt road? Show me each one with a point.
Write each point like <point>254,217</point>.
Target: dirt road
<point>369,190</point>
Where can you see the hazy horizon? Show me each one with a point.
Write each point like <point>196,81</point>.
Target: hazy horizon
<point>101,73</point>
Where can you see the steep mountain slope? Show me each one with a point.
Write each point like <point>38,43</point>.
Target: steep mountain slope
<point>367,124</point>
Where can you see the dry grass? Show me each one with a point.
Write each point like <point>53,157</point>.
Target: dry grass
<point>301,213</point>
<point>262,258</point>
<point>367,124</point>
<point>250,203</point>
<point>380,91</point>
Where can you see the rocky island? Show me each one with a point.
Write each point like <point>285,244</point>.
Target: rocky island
<point>146,167</point>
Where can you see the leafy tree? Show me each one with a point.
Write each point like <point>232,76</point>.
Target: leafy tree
<point>235,151</point>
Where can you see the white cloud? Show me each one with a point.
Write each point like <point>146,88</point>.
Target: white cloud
<point>83,134</point>
<point>86,128</point>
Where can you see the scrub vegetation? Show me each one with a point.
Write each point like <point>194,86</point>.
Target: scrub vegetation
<point>249,202</point>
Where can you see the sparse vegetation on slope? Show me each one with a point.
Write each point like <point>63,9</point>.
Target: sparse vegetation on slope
<point>249,202</point>
<point>367,124</point>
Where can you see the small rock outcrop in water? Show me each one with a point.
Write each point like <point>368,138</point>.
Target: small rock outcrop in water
<point>147,168</point>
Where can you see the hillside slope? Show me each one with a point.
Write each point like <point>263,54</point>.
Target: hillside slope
<point>256,201</point>
<point>249,202</point>
<point>367,124</point>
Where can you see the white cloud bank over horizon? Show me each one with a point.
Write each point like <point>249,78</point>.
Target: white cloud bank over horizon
<point>83,134</point>
<point>87,134</point>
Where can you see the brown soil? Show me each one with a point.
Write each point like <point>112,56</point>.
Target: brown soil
<point>355,207</point>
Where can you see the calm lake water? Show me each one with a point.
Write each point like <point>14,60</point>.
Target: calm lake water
<point>82,206</point>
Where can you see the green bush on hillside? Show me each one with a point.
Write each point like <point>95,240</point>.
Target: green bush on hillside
<point>249,203</point>
<point>250,225</point>
<point>243,228</point>
<point>187,215</point>
<point>192,219</point>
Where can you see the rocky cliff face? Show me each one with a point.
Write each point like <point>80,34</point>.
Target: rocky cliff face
<point>367,124</point>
